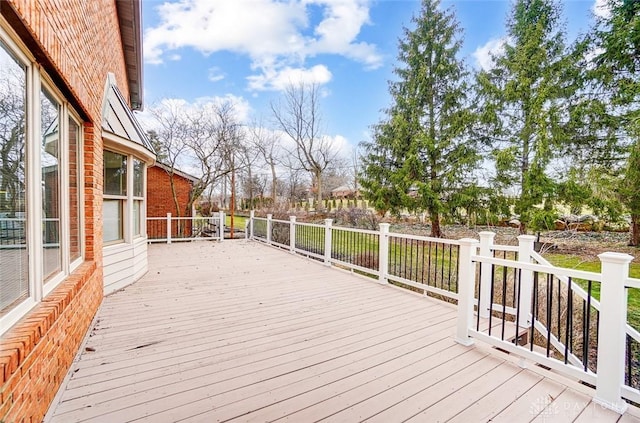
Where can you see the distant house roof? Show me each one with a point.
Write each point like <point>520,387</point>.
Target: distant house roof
<point>185,175</point>
<point>342,188</point>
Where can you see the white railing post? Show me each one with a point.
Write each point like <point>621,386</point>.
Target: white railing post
<point>486,246</point>
<point>168,228</point>
<point>327,241</point>
<point>222,219</point>
<point>292,234</point>
<point>525,294</point>
<point>612,331</point>
<point>466,288</point>
<point>383,253</point>
<point>252,215</point>
<point>269,223</point>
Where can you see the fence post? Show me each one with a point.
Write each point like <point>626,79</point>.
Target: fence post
<point>383,253</point>
<point>486,245</point>
<point>466,288</point>
<point>327,241</point>
<point>252,215</point>
<point>222,219</point>
<point>269,223</point>
<point>525,249</point>
<point>292,234</point>
<point>168,228</point>
<point>612,331</point>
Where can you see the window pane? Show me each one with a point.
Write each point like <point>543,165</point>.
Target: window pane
<point>14,282</point>
<point>112,213</point>
<point>74,190</point>
<point>115,174</point>
<point>50,167</point>
<point>136,217</point>
<point>138,178</point>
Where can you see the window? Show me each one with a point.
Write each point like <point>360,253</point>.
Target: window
<point>40,181</point>
<point>138,196</point>
<point>123,197</point>
<point>50,174</point>
<point>75,211</point>
<point>14,269</point>
<point>115,195</point>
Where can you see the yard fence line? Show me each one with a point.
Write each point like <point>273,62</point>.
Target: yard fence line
<point>508,296</point>
<point>170,228</point>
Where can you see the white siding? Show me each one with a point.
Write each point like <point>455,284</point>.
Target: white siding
<point>124,264</point>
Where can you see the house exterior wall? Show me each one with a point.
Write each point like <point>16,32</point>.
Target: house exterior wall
<point>78,44</point>
<point>160,199</point>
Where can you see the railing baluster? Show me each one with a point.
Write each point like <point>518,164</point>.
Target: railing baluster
<point>504,299</point>
<point>517,303</point>
<point>549,313</point>
<point>450,260</point>
<point>568,323</point>
<point>534,309</point>
<point>491,296</point>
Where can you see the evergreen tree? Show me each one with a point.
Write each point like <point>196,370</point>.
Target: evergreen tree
<point>618,70</point>
<point>419,154</point>
<point>524,100</point>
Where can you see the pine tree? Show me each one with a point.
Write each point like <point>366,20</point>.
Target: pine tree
<point>420,153</point>
<point>524,100</point>
<point>618,71</point>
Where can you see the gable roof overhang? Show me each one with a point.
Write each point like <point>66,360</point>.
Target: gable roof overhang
<point>130,20</point>
<point>120,129</point>
<point>185,175</point>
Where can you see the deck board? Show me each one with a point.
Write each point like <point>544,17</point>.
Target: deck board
<point>237,331</point>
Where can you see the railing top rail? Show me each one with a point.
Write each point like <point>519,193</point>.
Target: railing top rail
<point>542,268</point>
<point>425,238</point>
<point>509,248</point>
<point>313,225</point>
<point>280,221</point>
<point>632,283</point>
<point>360,231</point>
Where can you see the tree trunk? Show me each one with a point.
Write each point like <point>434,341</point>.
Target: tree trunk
<point>274,180</point>
<point>523,228</point>
<point>318,175</point>
<point>634,240</point>
<point>436,231</point>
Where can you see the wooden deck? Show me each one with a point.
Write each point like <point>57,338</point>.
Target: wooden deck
<point>239,331</point>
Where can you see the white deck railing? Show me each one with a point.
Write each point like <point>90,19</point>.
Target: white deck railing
<point>169,228</point>
<point>552,312</point>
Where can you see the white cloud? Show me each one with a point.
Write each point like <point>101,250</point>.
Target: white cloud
<point>278,36</point>
<point>241,108</point>
<point>216,74</point>
<point>485,54</point>
<point>279,79</point>
<point>601,9</point>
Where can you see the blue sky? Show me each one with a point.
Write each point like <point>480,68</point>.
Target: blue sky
<point>248,50</point>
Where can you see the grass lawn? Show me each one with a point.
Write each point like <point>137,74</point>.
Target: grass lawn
<point>238,222</point>
<point>578,263</point>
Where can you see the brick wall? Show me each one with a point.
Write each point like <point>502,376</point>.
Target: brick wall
<point>80,41</point>
<point>160,199</point>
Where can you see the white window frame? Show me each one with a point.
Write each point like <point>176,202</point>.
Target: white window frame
<point>128,210</point>
<point>123,199</point>
<point>36,81</point>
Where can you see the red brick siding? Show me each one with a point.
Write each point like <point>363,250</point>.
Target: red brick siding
<point>160,199</point>
<point>82,40</point>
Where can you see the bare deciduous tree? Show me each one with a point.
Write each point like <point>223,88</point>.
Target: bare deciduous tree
<point>267,144</point>
<point>297,114</point>
<point>197,137</point>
